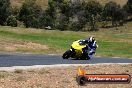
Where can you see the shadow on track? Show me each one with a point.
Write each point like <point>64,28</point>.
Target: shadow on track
<point>75,59</point>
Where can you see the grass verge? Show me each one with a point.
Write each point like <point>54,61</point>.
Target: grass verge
<point>112,42</point>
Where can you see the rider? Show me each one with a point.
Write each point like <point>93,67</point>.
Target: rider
<point>91,46</point>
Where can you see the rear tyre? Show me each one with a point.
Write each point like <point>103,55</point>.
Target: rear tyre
<point>67,54</point>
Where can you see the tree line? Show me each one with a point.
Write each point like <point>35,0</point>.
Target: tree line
<point>75,15</point>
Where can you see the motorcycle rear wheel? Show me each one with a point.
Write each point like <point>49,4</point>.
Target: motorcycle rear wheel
<point>67,54</point>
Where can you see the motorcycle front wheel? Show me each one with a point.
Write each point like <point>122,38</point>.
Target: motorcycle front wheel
<point>85,56</point>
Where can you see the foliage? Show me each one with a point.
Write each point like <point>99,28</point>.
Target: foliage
<point>4,10</point>
<point>29,13</point>
<point>51,8</point>
<point>113,12</point>
<point>128,7</point>
<point>11,21</point>
<point>65,8</point>
<point>62,22</point>
<point>75,15</point>
<point>93,11</point>
<point>15,11</point>
<point>45,20</point>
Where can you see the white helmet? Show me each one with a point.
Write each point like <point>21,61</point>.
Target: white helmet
<point>91,39</point>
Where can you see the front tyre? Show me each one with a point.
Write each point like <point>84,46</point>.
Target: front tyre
<point>85,56</point>
<point>67,54</point>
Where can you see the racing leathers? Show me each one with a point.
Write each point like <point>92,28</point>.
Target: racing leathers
<point>91,48</point>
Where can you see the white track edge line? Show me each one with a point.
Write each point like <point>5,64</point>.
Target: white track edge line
<point>52,66</point>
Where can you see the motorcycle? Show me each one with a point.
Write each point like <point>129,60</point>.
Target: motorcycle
<point>77,51</point>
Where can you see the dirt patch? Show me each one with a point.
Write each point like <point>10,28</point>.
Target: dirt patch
<point>21,46</point>
<point>62,77</point>
<point>12,46</point>
<point>120,2</point>
<point>30,45</point>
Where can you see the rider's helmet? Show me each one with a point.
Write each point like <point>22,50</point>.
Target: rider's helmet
<point>91,39</point>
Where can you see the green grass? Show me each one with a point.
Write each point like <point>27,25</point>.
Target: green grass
<point>119,49</point>
<point>111,42</point>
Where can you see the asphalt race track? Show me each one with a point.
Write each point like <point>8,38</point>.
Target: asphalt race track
<point>9,60</point>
